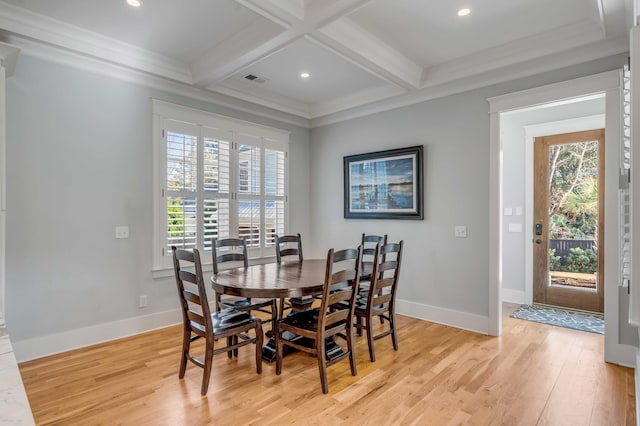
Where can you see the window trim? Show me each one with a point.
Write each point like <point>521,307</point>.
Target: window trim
<point>270,137</point>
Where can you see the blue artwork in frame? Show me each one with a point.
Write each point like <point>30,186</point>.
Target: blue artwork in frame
<point>384,184</point>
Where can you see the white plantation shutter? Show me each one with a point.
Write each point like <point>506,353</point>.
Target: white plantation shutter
<point>218,178</point>
<point>624,192</point>
<point>181,210</point>
<point>274,197</point>
<point>250,189</point>
<point>216,185</point>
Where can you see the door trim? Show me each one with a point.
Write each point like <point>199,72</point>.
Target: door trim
<point>609,83</point>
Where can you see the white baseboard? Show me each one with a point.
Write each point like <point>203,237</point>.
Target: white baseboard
<point>38,347</point>
<point>458,319</point>
<point>513,296</point>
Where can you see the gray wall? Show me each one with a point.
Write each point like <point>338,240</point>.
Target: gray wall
<point>79,163</point>
<point>79,149</point>
<point>439,270</point>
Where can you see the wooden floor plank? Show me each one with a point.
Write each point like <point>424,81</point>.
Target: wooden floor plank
<point>533,374</point>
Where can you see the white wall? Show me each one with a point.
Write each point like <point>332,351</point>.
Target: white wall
<point>443,279</point>
<point>79,149</point>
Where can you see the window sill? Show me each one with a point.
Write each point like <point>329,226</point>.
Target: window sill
<point>159,273</point>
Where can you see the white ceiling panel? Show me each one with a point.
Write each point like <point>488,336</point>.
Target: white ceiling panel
<point>331,76</point>
<point>430,32</point>
<point>182,30</point>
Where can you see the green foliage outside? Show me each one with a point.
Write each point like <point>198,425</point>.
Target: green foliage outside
<point>573,191</point>
<point>578,260</point>
<point>573,203</point>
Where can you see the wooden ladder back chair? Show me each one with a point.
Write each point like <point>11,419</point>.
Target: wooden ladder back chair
<point>199,322</point>
<point>314,330</point>
<point>381,297</point>
<point>295,303</point>
<point>287,250</point>
<point>368,244</point>
<point>238,253</point>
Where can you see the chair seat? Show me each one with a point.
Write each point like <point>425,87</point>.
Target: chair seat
<point>227,319</point>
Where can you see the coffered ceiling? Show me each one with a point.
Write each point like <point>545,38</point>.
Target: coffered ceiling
<point>361,55</point>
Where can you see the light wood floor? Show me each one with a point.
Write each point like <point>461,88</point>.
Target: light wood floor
<point>533,374</point>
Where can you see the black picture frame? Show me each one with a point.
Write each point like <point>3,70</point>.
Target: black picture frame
<point>384,184</point>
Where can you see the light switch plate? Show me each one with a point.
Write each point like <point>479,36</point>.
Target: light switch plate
<point>122,232</point>
<point>518,211</point>
<point>461,231</point>
<point>508,211</point>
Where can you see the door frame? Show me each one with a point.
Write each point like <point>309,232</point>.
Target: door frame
<point>531,132</point>
<point>608,83</point>
<point>553,295</point>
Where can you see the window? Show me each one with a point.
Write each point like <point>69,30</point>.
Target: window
<point>216,177</point>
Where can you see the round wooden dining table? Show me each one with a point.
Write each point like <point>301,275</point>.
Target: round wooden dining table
<point>272,281</point>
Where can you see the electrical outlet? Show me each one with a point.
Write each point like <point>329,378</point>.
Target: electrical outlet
<point>143,301</point>
<point>122,232</point>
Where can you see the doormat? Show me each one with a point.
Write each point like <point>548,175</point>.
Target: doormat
<point>560,318</point>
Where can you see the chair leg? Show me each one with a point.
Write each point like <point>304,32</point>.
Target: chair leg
<point>229,343</point>
<point>235,342</point>
<point>350,348</point>
<point>208,360</point>
<point>372,353</point>
<point>392,324</point>
<point>322,366</point>
<point>218,301</point>
<point>274,313</point>
<point>279,349</point>
<point>186,343</point>
<point>259,337</point>
<point>359,325</point>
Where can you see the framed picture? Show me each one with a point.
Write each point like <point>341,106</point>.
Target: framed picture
<point>384,184</point>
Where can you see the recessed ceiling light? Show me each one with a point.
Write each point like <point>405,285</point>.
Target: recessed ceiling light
<point>464,11</point>
<point>134,3</point>
<point>305,75</point>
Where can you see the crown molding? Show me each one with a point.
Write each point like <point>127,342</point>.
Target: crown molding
<point>24,23</point>
<point>9,57</point>
<point>75,60</point>
<point>353,100</point>
<point>251,93</point>
<point>593,51</point>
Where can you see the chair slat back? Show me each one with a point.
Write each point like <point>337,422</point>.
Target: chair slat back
<point>237,252</point>
<point>339,286</point>
<point>368,246</point>
<point>385,275</point>
<point>288,250</point>
<point>191,291</point>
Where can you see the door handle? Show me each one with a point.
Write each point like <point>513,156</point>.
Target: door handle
<point>538,241</point>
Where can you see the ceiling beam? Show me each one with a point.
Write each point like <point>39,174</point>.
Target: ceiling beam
<point>324,21</point>
<point>256,41</point>
<point>370,53</point>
